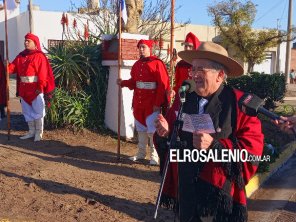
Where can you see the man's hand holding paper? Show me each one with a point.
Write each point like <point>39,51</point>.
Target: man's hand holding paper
<point>201,125</point>
<point>202,140</point>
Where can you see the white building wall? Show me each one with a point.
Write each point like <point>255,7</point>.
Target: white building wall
<point>22,28</point>
<point>266,66</point>
<point>47,25</point>
<point>10,14</point>
<point>16,26</point>
<point>203,33</point>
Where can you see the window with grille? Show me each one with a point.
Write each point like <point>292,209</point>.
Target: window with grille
<point>53,42</point>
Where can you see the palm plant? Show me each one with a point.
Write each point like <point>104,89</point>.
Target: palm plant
<point>80,98</point>
<point>70,64</point>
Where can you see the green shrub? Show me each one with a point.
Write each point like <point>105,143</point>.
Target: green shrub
<point>54,117</point>
<point>272,88</point>
<point>97,90</point>
<point>68,110</point>
<point>285,110</point>
<point>96,87</point>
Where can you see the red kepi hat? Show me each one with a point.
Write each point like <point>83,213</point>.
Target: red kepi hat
<point>35,39</point>
<point>192,40</point>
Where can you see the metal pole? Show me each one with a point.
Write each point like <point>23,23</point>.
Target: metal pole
<point>172,39</point>
<point>31,21</point>
<point>119,77</point>
<point>288,49</point>
<point>7,71</point>
<point>278,53</point>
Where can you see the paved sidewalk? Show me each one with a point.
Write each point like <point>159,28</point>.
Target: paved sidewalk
<point>275,201</point>
<point>291,92</point>
<point>291,98</point>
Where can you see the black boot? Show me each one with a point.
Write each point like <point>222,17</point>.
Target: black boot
<point>2,111</point>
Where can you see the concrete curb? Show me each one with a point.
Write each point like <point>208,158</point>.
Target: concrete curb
<point>290,98</point>
<point>257,181</point>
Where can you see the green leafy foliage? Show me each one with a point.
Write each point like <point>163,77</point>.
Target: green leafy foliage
<point>272,88</point>
<point>97,89</point>
<point>234,20</point>
<point>285,110</point>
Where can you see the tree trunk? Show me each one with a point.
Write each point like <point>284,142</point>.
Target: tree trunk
<point>250,66</point>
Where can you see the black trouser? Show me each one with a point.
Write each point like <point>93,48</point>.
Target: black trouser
<point>2,110</point>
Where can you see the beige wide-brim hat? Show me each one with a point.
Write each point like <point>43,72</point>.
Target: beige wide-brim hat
<point>214,52</point>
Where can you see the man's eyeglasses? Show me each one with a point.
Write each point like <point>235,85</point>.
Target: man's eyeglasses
<point>199,71</point>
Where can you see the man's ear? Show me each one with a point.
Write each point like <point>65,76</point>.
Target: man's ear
<point>221,76</point>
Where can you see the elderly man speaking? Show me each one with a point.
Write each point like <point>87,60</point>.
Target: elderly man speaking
<point>211,190</point>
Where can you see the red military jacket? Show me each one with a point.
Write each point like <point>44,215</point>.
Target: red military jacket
<point>2,84</point>
<point>181,74</point>
<point>34,66</point>
<point>148,70</point>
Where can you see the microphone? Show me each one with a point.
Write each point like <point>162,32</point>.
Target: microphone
<point>187,86</point>
<point>251,105</point>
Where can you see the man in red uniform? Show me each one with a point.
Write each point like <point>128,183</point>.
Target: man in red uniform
<point>150,82</point>
<point>35,78</point>
<point>3,99</point>
<point>182,68</point>
<point>210,190</point>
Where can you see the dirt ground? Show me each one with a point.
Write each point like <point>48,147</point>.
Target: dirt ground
<point>74,177</point>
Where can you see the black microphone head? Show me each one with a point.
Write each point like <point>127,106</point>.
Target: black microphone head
<point>249,104</point>
<point>188,86</point>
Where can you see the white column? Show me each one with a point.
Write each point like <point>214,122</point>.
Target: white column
<point>127,117</point>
